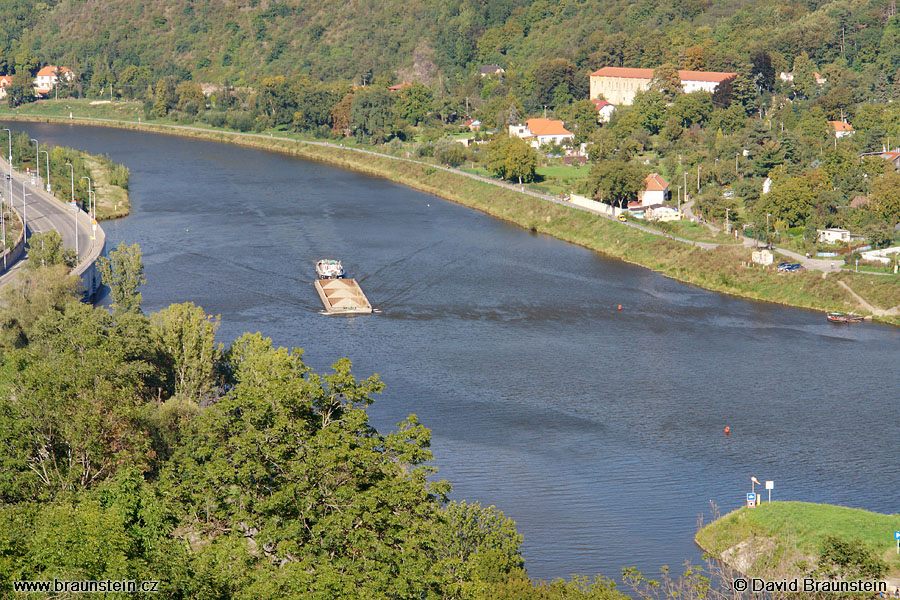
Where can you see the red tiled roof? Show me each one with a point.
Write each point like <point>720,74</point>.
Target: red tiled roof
<point>47,71</point>
<point>600,103</point>
<point>5,80</point>
<point>840,126</point>
<point>890,155</point>
<point>712,76</point>
<point>655,183</point>
<point>399,86</point>
<point>546,127</point>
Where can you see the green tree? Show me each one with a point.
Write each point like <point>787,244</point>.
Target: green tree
<point>20,90</point>
<point>289,459</point>
<point>73,413</point>
<point>187,336</point>
<point>805,77</point>
<point>372,115</point>
<point>554,79</point>
<point>666,81</point>
<point>46,249</point>
<point>190,97</point>
<point>414,103</point>
<point>849,559</point>
<point>615,182</point>
<point>123,273</point>
<point>512,158</point>
<point>34,294</point>
<point>885,199</point>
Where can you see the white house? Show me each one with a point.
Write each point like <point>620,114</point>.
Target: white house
<point>656,190</point>
<point>5,80</point>
<point>604,110</point>
<point>841,128</point>
<point>832,235</point>
<point>47,78</point>
<point>538,132</point>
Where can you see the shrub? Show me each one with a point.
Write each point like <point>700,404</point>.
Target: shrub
<point>240,120</point>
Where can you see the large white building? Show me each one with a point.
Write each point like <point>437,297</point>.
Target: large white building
<point>618,85</point>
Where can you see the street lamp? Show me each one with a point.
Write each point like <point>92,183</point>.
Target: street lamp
<point>24,213</point>
<point>3,232</point>
<point>75,206</point>
<point>90,195</point>
<point>767,228</point>
<point>48,168</point>
<point>37,155</point>
<point>9,175</point>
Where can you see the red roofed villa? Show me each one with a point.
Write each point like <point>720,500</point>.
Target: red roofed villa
<point>656,190</point>
<point>538,132</point>
<point>618,85</point>
<point>604,110</point>
<point>841,128</point>
<point>5,80</point>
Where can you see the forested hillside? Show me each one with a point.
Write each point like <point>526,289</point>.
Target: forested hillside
<point>429,40</point>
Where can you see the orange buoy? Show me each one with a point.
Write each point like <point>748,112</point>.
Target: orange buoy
<point>620,307</point>
<point>727,430</point>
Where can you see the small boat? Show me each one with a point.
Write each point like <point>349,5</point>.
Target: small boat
<point>329,269</point>
<point>837,317</point>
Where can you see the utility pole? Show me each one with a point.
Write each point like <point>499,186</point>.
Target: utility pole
<point>698,178</point>
<point>735,164</point>
<point>726,220</point>
<point>685,185</point>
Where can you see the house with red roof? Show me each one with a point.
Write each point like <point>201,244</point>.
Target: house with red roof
<point>604,110</point>
<point>656,190</point>
<point>399,86</point>
<point>618,85</point>
<point>5,80</point>
<point>538,132</point>
<point>841,128</point>
<point>47,78</point>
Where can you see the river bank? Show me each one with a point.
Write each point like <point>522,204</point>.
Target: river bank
<point>785,540</point>
<point>722,270</point>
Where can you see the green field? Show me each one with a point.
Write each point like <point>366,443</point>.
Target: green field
<point>798,529</point>
<point>691,231</point>
<point>564,172</point>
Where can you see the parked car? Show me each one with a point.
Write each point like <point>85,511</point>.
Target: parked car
<point>787,267</point>
<point>622,218</point>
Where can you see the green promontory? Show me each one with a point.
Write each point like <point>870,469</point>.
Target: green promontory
<point>791,539</point>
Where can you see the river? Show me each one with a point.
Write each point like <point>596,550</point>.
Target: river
<point>599,431</point>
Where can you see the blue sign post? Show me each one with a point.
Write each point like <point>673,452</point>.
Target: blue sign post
<point>751,501</point>
<point>897,537</point>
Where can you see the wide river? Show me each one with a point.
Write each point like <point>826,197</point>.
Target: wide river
<point>599,431</point>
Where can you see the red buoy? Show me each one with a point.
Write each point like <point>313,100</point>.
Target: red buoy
<point>727,430</point>
<point>620,307</point>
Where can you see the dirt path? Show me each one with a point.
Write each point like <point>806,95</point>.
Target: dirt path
<point>878,312</point>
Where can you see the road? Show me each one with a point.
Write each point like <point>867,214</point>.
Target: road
<point>43,213</point>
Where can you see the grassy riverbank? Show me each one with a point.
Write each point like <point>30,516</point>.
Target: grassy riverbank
<point>788,536</point>
<point>719,270</point>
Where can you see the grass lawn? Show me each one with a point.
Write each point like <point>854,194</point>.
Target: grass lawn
<point>112,201</point>
<point>564,172</point>
<point>798,529</point>
<point>80,107</point>
<point>690,231</point>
